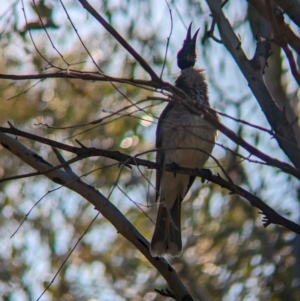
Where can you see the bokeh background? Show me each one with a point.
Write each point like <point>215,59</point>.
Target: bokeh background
<point>228,254</point>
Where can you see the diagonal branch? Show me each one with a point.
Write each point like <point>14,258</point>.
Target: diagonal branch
<point>120,39</point>
<point>291,8</point>
<point>180,97</point>
<point>292,39</point>
<point>274,115</point>
<point>275,18</point>
<point>104,206</point>
<point>93,76</point>
<point>271,216</point>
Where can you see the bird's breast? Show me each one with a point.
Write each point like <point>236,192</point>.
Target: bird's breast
<point>187,139</point>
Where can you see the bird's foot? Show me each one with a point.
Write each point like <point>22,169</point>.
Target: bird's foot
<point>208,174</point>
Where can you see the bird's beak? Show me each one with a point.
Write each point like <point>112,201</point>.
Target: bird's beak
<point>187,55</point>
<point>189,37</point>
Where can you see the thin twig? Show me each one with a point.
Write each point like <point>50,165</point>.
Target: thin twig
<point>49,38</point>
<point>32,40</point>
<point>67,257</point>
<point>168,39</point>
<point>120,39</point>
<point>24,91</point>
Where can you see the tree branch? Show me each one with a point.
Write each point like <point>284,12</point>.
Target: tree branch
<point>74,74</point>
<point>291,38</point>
<point>180,97</point>
<point>273,114</point>
<point>104,206</point>
<point>271,215</point>
<point>275,18</point>
<point>120,39</point>
<point>291,8</point>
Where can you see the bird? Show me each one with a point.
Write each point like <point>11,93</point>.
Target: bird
<point>183,139</point>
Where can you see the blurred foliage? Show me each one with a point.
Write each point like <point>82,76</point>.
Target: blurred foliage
<point>228,255</point>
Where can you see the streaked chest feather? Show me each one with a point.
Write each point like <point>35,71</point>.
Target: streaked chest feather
<point>187,139</point>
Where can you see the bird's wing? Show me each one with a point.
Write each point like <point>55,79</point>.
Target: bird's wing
<point>160,154</point>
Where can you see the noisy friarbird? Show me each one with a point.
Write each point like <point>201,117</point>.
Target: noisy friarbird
<point>184,139</point>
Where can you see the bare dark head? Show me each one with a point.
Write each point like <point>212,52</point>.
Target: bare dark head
<point>187,55</point>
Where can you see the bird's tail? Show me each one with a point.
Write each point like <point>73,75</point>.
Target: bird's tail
<point>167,234</point>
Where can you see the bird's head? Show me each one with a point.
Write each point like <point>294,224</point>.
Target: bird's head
<point>187,55</point>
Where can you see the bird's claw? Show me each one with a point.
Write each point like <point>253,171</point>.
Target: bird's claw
<point>208,175</point>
